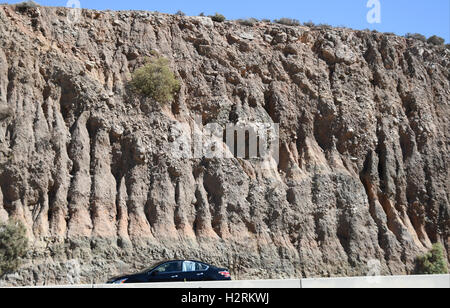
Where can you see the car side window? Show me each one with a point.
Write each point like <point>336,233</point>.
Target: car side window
<point>189,266</point>
<point>170,267</point>
<point>200,267</point>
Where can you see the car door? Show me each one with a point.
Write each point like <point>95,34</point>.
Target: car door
<point>194,271</point>
<point>201,271</point>
<point>167,272</point>
<point>189,273</point>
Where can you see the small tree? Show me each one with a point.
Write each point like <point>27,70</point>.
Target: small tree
<point>13,246</point>
<point>433,262</point>
<point>155,80</point>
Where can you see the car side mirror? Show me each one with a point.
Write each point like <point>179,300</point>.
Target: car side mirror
<point>155,273</point>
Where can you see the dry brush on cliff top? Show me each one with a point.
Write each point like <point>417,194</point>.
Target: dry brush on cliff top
<point>99,179</point>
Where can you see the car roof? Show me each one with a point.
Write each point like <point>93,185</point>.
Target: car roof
<point>168,261</point>
<point>184,260</point>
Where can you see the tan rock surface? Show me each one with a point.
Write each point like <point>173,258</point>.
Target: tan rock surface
<point>95,175</point>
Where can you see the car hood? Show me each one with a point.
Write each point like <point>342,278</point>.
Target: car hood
<point>113,279</point>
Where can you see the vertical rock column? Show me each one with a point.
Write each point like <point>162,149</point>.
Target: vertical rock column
<point>104,210</point>
<point>80,224</point>
<point>58,192</point>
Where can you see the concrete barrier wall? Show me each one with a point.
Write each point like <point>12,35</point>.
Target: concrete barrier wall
<point>439,281</point>
<point>432,281</point>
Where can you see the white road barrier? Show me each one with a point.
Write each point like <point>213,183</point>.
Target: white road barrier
<point>431,281</point>
<point>397,282</point>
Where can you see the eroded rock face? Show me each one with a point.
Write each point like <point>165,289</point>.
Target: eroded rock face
<point>99,176</point>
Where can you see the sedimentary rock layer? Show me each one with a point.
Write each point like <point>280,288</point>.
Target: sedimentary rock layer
<point>99,178</point>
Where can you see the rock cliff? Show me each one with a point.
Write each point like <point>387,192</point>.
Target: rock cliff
<point>97,177</point>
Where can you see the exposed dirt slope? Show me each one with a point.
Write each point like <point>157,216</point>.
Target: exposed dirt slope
<point>94,174</point>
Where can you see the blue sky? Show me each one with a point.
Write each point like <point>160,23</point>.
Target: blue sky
<point>428,17</point>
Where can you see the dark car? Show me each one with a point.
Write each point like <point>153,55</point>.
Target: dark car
<point>176,271</point>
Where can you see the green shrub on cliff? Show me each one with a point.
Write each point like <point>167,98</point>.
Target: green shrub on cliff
<point>249,22</point>
<point>155,80</point>
<point>13,246</point>
<point>416,36</point>
<point>218,18</point>
<point>26,5</point>
<point>309,24</point>
<point>288,21</point>
<point>436,40</point>
<point>180,13</point>
<point>432,263</point>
